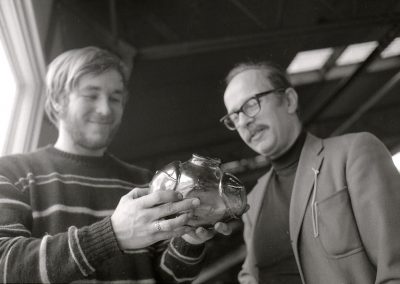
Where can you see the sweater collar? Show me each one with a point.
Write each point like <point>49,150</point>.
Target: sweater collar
<point>78,158</point>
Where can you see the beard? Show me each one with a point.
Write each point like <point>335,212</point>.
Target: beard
<point>89,136</point>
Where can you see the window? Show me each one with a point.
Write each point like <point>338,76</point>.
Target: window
<point>21,104</point>
<point>356,53</point>
<point>396,160</point>
<point>309,60</point>
<point>8,96</point>
<point>393,49</point>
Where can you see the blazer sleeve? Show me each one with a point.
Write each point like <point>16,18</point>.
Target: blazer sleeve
<point>374,187</point>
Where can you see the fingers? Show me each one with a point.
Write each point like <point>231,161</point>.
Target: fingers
<point>138,192</point>
<point>168,225</point>
<point>170,208</point>
<point>160,197</point>
<point>204,234</point>
<point>223,228</point>
<point>199,236</point>
<point>175,227</point>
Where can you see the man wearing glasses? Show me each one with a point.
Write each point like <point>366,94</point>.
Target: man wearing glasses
<point>328,210</point>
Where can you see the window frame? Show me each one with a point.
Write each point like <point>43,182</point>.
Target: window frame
<point>20,36</point>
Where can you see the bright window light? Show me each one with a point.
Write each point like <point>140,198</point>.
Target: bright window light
<point>8,96</point>
<point>356,53</point>
<point>393,49</point>
<point>396,160</point>
<point>309,60</point>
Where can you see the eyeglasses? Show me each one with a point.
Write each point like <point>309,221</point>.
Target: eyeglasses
<point>250,108</point>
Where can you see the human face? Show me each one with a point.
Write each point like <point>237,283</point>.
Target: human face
<point>275,127</point>
<point>92,114</point>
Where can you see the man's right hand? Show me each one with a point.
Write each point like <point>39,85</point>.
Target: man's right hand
<point>138,221</point>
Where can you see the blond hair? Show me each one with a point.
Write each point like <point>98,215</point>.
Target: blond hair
<point>65,71</point>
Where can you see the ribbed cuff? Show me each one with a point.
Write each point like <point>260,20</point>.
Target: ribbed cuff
<point>98,242</point>
<point>187,249</point>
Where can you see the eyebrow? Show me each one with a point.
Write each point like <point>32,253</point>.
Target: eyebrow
<point>91,88</point>
<point>96,88</point>
<point>242,104</point>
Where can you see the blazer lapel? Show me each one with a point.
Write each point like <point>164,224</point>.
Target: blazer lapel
<point>257,197</point>
<point>310,159</point>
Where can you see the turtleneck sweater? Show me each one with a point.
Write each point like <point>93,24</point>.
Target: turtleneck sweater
<point>273,251</point>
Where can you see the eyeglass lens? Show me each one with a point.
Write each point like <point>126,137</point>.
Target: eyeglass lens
<point>249,108</point>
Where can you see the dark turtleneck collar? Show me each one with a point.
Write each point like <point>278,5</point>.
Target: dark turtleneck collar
<point>291,156</point>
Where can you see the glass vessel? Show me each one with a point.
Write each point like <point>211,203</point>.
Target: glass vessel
<point>222,195</point>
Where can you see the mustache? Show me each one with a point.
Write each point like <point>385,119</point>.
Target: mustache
<point>254,129</point>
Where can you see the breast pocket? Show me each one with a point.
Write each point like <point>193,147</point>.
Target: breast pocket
<point>338,231</point>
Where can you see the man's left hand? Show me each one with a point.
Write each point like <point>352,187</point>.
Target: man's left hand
<point>201,234</point>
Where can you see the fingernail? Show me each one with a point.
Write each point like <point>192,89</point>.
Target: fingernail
<point>180,196</point>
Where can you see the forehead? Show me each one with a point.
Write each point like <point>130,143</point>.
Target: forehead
<point>245,85</point>
<point>108,79</point>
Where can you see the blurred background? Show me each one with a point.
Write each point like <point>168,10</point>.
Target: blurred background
<point>343,57</point>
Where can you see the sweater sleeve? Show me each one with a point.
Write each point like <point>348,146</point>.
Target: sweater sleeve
<point>60,258</point>
<point>180,262</point>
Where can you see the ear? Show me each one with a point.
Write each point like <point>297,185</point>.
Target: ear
<point>57,106</point>
<point>59,102</point>
<point>292,100</point>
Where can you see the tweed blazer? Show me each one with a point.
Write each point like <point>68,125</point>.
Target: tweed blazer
<point>344,214</point>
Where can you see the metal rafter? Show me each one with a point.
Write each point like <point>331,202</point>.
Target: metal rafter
<point>280,13</point>
<point>118,45</point>
<point>245,10</point>
<point>375,98</point>
<point>325,102</point>
<point>113,20</point>
<point>190,48</point>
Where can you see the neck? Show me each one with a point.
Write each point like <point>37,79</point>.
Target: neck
<point>295,132</point>
<point>66,144</point>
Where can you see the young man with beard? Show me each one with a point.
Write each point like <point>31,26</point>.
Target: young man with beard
<point>328,209</point>
<point>73,212</point>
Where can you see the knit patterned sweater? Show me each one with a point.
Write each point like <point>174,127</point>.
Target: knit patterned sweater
<point>55,224</point>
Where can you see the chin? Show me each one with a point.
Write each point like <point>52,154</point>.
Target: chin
<point>265,150</point>
<point>96,144</point>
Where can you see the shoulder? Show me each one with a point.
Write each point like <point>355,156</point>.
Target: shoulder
<point>353,141</point>
<point>351,137</point>
<point>356,147</point>
<point>20,160</point>
<point>16,166</point>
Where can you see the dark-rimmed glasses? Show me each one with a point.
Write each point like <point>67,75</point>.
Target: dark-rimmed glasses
<point>250,108</point>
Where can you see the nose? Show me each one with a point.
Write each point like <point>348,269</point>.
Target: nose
<point>103,106</point>
<point>243,120</point>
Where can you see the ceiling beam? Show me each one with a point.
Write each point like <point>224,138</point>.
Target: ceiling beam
<point>109,38</point>
<point>280,12</point>
<point>197,47</point>
<point>367,105</point>
<point>326,100</point>
<point>328,5</point>
<point>113,20</point>
<point>161,27</point>
<point>245,10</point>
